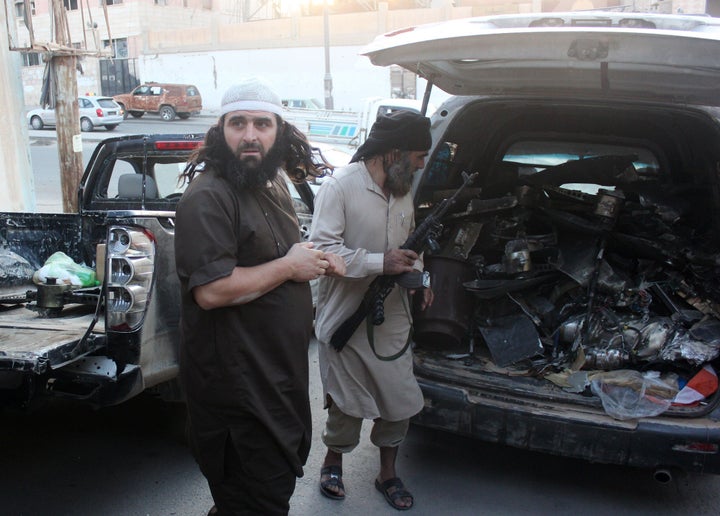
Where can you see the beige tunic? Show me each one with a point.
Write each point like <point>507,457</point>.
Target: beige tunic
<point>355,220</point>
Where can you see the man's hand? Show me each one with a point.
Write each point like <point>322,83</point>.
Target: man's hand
<point>397,261</point>
<point>337,265</point>
<point>307,263</point>
<point>428,297</point>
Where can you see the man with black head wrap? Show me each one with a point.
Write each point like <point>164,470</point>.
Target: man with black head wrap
<point>246,304</point>
<point>363,213</point>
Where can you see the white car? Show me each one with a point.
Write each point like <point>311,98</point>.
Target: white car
<point>94,111</point>
<point>577,282</point>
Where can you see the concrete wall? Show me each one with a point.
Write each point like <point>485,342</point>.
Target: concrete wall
<point>289,53</point>
<point>294,72</point>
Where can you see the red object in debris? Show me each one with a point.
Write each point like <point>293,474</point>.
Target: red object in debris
<point>700,386</point>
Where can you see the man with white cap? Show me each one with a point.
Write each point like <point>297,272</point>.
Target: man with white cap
<point>246,305</point>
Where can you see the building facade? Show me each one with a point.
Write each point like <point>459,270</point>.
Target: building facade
<point>213,43</point>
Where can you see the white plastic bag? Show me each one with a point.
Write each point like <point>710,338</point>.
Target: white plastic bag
<point>628,394</point>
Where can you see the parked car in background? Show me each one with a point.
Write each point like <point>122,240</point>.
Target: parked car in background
<point>94,112</point>
<point>577,279</point>
<point>167,100</point>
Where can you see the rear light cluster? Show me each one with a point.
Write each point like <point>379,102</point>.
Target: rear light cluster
<point>129,266</point>
<point>99,112</point>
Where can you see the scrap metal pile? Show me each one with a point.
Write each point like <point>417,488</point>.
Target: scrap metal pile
<point>555,279</point>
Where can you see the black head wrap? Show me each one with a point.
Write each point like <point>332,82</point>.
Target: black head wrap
<point>402,130</point>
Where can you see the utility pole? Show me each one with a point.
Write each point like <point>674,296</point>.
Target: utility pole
<point>69,141</point>
<point>328,86</point>
<point>18,191</point>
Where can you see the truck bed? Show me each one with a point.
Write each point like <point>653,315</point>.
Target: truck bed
<point>31,342</point>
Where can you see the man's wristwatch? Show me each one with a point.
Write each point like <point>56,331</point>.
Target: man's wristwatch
<point>414,280</point>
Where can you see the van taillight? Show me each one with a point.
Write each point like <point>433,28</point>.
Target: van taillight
<point>129,267</point>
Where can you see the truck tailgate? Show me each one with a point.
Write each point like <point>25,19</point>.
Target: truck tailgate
<point>29,342</point>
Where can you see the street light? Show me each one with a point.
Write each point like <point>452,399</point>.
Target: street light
<point>328,77</point>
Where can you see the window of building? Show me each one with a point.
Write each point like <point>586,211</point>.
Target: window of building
<point>31,59</point>
<point>111,2</point>
<point>207,4</point>
<point>160,2</point>
<point>20,9</point>
<point>71,5</point>
<point>119,46</point>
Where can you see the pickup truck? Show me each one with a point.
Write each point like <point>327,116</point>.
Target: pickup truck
<point>101,344</point>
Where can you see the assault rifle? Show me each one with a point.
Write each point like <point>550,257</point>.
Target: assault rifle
<point>373,302</point>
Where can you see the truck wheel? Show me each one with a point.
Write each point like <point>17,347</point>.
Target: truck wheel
<point>167,113</point>
<point>86,125</point>
<point>184,116</point>
<point>36,123</point>
<point>137,114</point>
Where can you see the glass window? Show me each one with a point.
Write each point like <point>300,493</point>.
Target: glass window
<point>31,59</point>
<point>167,177</point>
<point>624,163</point>
<point>20,9</point>
<point>119,46</point>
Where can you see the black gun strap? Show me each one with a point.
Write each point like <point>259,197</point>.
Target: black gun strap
<point>371,337</point>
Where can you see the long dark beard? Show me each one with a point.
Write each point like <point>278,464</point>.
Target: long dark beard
<point>249,174</point>
<point>399,176</point>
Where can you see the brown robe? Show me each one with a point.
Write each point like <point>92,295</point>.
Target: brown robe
<point>251,358</point>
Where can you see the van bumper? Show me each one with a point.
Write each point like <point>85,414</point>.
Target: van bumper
<point>688,444</point>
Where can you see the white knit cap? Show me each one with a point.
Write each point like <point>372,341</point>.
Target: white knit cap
<point>251,95</point>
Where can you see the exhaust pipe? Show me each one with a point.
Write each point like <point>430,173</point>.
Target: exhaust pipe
<point>663,475</point>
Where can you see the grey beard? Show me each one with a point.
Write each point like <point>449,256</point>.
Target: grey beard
<point>399,177</point>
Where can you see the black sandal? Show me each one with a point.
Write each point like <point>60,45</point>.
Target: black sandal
<point>399,492</point>
<point>335,480</point>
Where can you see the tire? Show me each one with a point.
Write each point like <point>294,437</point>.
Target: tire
<point>184,116</point>
<point>36,123</point>
<point>137,114</point>
<point>167,113</point>
<point>86,125</point>
<point>111,127</point>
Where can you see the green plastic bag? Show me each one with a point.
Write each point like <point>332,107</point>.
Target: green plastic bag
<point>65,271</point>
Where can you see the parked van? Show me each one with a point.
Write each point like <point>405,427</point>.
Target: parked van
<point>577,285</point>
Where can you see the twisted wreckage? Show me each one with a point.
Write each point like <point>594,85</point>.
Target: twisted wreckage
<point>557,280</point>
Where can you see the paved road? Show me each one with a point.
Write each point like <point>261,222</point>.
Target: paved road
<point>131,460</point>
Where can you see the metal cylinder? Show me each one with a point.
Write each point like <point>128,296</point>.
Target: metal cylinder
<point>447,320</point>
